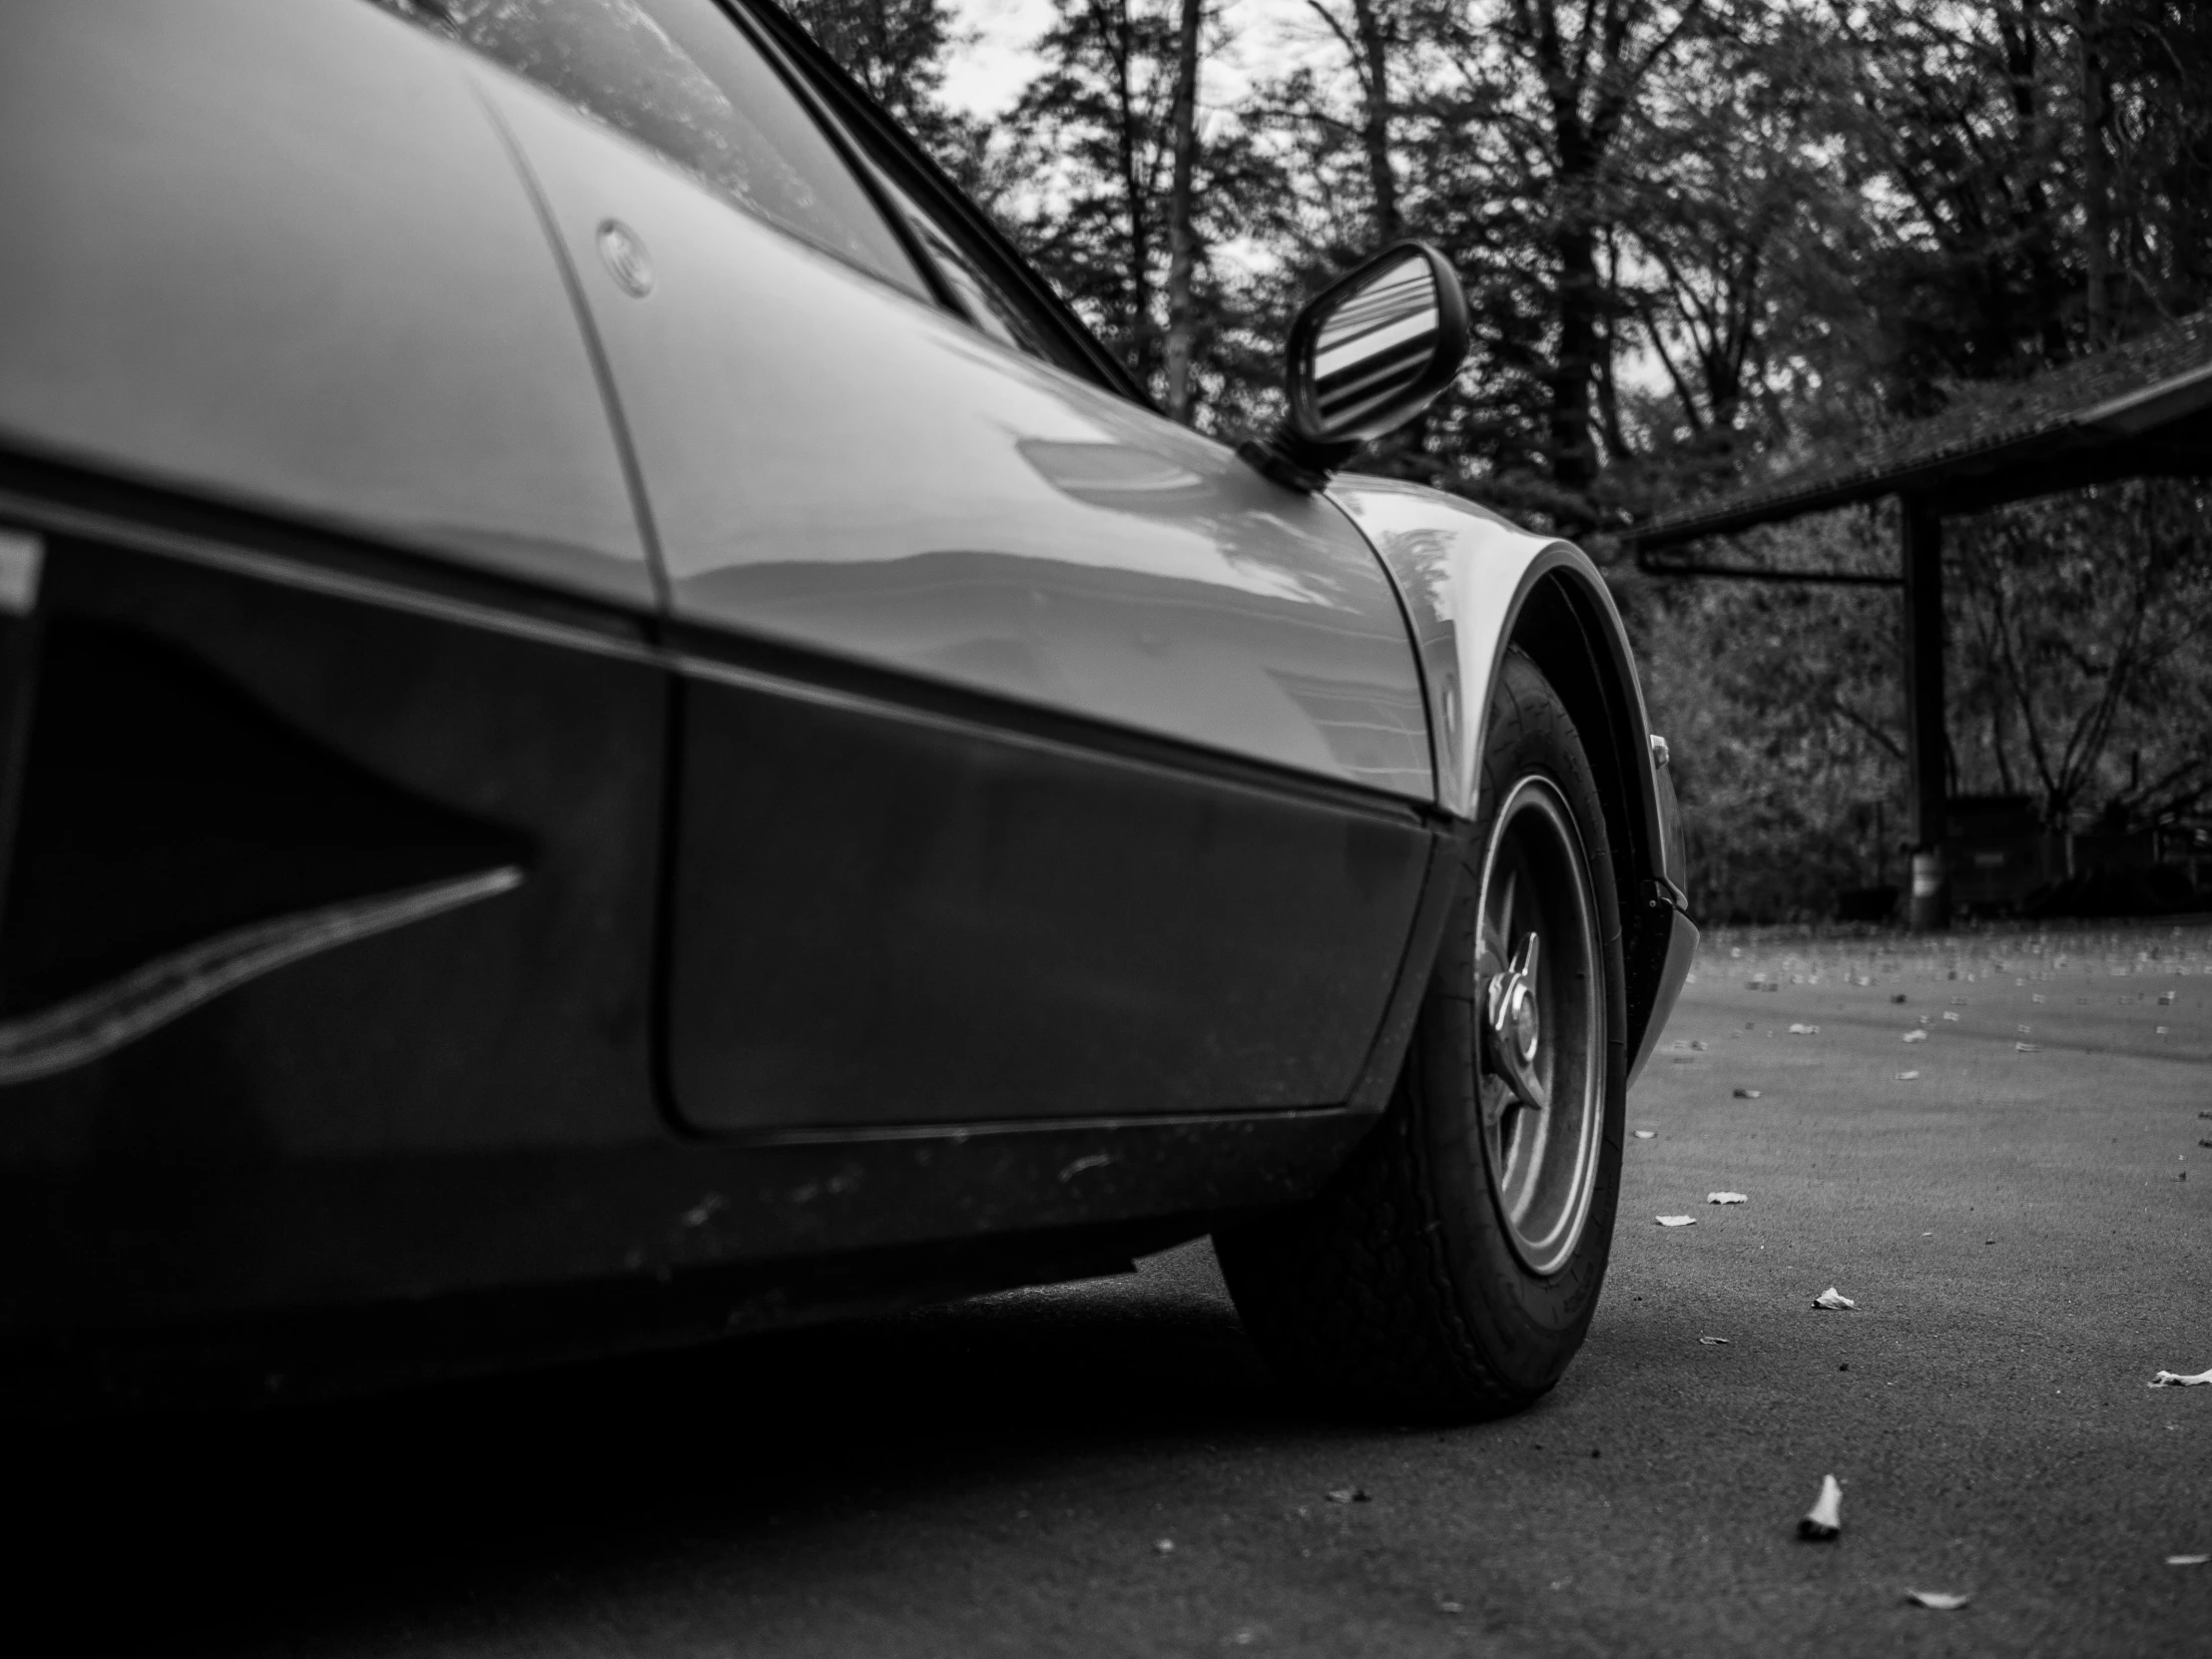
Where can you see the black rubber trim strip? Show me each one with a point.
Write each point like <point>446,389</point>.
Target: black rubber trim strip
<point>762,664</point>
<point>961,1133</point>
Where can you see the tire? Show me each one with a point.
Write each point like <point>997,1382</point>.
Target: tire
<point>1450,1269</point>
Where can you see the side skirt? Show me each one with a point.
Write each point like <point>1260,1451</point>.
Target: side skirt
<point>666,1245</point>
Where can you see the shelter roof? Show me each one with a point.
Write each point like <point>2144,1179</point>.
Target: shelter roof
<point>2138,410</point>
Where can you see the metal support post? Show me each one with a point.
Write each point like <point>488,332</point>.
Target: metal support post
<point>1925,749</point>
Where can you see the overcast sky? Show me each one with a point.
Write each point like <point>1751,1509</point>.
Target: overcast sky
<point>986,77</point>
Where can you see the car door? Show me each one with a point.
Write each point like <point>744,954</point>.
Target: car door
<point>1038,759</point>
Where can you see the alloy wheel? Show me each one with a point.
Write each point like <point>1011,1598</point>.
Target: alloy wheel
<point>1540,1006</point>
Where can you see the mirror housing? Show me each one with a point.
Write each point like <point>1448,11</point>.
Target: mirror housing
<point>1367,355</point>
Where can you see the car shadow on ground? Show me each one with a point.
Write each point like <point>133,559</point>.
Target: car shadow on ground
<point>354,1525</point>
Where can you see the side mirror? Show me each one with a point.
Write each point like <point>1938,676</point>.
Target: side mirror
<point>1366,357</point>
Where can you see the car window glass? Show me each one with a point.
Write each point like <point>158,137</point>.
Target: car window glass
<point>984,302</point>
<point>682,78</point>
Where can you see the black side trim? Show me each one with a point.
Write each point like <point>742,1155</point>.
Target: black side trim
<point>764,665</point>
<point>177,838</point>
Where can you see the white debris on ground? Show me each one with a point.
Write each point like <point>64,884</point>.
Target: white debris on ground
<point>1745,1094</point>
<point>1834,1300</point>
<point>1918,1034</point>
<point>1801,1029</point>
<point>2187,1561</point>
<point>1909,1077</point>
<point>1826,1518</point>
<point>2174,1380</point>
<point>1676,1221</point>
<point>1715,1342</point>
<point>1726,1198</point>
<point>1645,1134</point>
<point>1941,1600</point>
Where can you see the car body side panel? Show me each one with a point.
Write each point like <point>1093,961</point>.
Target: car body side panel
<point>837,466</point>
<point>896,915</point>
<point>275,251</point>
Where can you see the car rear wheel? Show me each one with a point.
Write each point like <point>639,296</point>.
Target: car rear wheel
<point>1451,1268</point>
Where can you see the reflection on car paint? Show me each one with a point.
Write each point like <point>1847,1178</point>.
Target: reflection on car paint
<point>834,466</point>
<point>359,325</point>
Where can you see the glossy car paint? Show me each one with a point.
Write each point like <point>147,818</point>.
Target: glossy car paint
<point>274,250</point>
<point>836,465</point>
<point>1465,573</point>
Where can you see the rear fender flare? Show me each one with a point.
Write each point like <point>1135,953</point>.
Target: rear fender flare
<point>1475,584</point>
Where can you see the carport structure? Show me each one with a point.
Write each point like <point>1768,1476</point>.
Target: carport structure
<point>2138,410</point>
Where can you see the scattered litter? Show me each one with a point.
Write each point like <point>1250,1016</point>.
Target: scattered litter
<point>1349,1494</point>
<point>1834,1300</point>
<point>1919,1034</point>
<point>1715,1342</point>
<point>1726,1198</point>
<point>1804,1030</point>
<point>2187,1561</point>
<point>1164,1546</point>
<point>2174,1380</point>
<point>2024,1030</point>
<point>2161,1031</point>
<point>1676,1221</point>
<point>1948,1014</point>
<point>1941,1600</point>
<point>1699,1044</point>
<point>1897,997</point>
<point>1826,1518</point>
<point>2027,1048</point>
<point>1909,1077</point>
<point>2164,997</point>
<point>1444,1604</point>
<point>1745,1094</point>
<point>1645,1134</point>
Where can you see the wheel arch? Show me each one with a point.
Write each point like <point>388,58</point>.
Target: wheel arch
<point>1575,636</point>
<point>1473,585</point>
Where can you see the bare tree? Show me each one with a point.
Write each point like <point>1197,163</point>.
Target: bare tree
<point>1181,230</point>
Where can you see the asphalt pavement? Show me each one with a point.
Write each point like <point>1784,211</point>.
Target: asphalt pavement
<point>2018,1202</point>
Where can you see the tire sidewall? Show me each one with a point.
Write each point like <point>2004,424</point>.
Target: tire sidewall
<point>1529,1328</point>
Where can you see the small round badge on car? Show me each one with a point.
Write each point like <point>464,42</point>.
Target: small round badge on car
<point>625,255</point>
